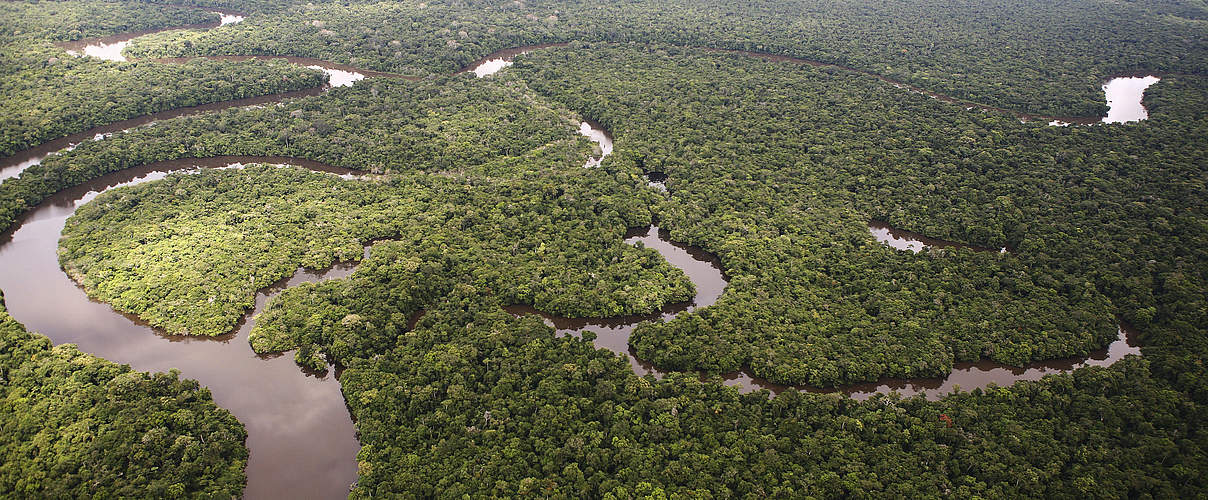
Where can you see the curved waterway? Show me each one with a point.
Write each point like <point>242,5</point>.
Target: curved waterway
<point>495,61</point>
<point>300,434</point>
<point>338,75</point>
<point>14,165</point>
<point>1123,94</point>
<point>704,269</point>
<point>110,47</point>
<point>301,437</point>
<point>596,133</point>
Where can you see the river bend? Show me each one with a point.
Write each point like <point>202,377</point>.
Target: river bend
<point>301,437</point>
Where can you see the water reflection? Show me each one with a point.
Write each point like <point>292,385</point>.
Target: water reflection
<point>657,180</point>
<point>598,135</point>
<point>228,18</point>
<point>965,376</point>
<point>108,52</point>
<point>1124,96</point>
<point>495,61</point>
<point>338,77</point>
<point>490,67</point>
<point>915,242</point>
<point>110,47</point>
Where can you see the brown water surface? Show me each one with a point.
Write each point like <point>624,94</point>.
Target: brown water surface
<point>702,268</point>
<point>595,133</point>
<point>300,434</point>
<point>1124,96</point>
<point>965,375</point>
<point>110,47</point>
<point>301,437</point>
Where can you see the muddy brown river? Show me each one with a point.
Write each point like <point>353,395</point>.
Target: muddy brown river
<point>301,437</point>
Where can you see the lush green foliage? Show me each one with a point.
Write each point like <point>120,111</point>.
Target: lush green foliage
<point>49,94</point>
<point>1036,56</point>
<point>518,411</point>
<point>384,126</point>
<point>78,426</point>
<point>68,95</point>
<point>813,299</point>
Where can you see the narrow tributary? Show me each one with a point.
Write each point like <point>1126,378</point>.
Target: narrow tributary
<point>110,47</point>
<point>915,242</point>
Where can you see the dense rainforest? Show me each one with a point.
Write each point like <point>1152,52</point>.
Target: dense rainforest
<point>896,315</point>
<point>77,426</point>
<point>474,197</point>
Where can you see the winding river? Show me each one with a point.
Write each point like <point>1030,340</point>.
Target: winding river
<point>704,269</point>
<point>1123,94</point>
<point>300,434</point>
<point>301,437</point>
<point>13,166</point>
<point>110,47</point>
